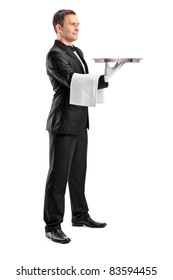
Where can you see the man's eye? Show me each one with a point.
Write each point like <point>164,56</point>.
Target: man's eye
<point>74,24</point>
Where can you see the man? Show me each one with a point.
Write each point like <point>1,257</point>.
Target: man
<point>67,125</point>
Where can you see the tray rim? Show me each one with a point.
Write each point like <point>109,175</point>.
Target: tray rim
<point>129,59</point>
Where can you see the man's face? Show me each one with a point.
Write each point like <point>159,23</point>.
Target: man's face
<point>68,33</point>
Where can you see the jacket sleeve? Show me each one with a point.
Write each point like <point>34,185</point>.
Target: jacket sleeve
<point>102,84</point>
<point>59,68</point>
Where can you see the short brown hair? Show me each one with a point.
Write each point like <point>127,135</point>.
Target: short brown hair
<point>58,18</point>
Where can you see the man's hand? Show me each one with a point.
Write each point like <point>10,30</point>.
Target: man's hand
<point>110,71</point>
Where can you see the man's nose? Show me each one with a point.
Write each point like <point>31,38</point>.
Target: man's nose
<point>76,27</point>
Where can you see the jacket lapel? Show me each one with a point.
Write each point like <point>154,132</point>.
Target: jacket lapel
<point>70,52</point>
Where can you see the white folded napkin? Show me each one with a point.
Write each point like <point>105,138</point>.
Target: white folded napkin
<point>84,90</point>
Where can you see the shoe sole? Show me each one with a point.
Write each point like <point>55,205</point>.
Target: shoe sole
<point>59,241</point>
<point>85,225</point>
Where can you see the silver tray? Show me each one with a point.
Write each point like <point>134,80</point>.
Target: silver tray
<point>117,59</point>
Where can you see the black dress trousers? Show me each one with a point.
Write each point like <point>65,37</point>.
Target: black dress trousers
<point>68,162</point>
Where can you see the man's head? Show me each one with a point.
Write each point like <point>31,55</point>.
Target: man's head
<point>66,25</point>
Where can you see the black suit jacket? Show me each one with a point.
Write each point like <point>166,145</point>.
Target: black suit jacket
<point>61,64</point>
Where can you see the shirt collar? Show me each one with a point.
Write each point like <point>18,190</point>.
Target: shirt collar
<point>63,46</point>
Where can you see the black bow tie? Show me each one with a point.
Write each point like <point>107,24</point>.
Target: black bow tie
<point>72,48</point>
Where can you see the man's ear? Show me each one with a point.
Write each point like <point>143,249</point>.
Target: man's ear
<point>58,28</point>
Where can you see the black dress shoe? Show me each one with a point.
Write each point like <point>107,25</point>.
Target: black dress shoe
<point>58,236</point>
<point>88,222</point>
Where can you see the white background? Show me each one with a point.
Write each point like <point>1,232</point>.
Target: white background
<point>130,157</point>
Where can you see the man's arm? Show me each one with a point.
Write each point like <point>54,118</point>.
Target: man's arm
<point>59,68</point>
